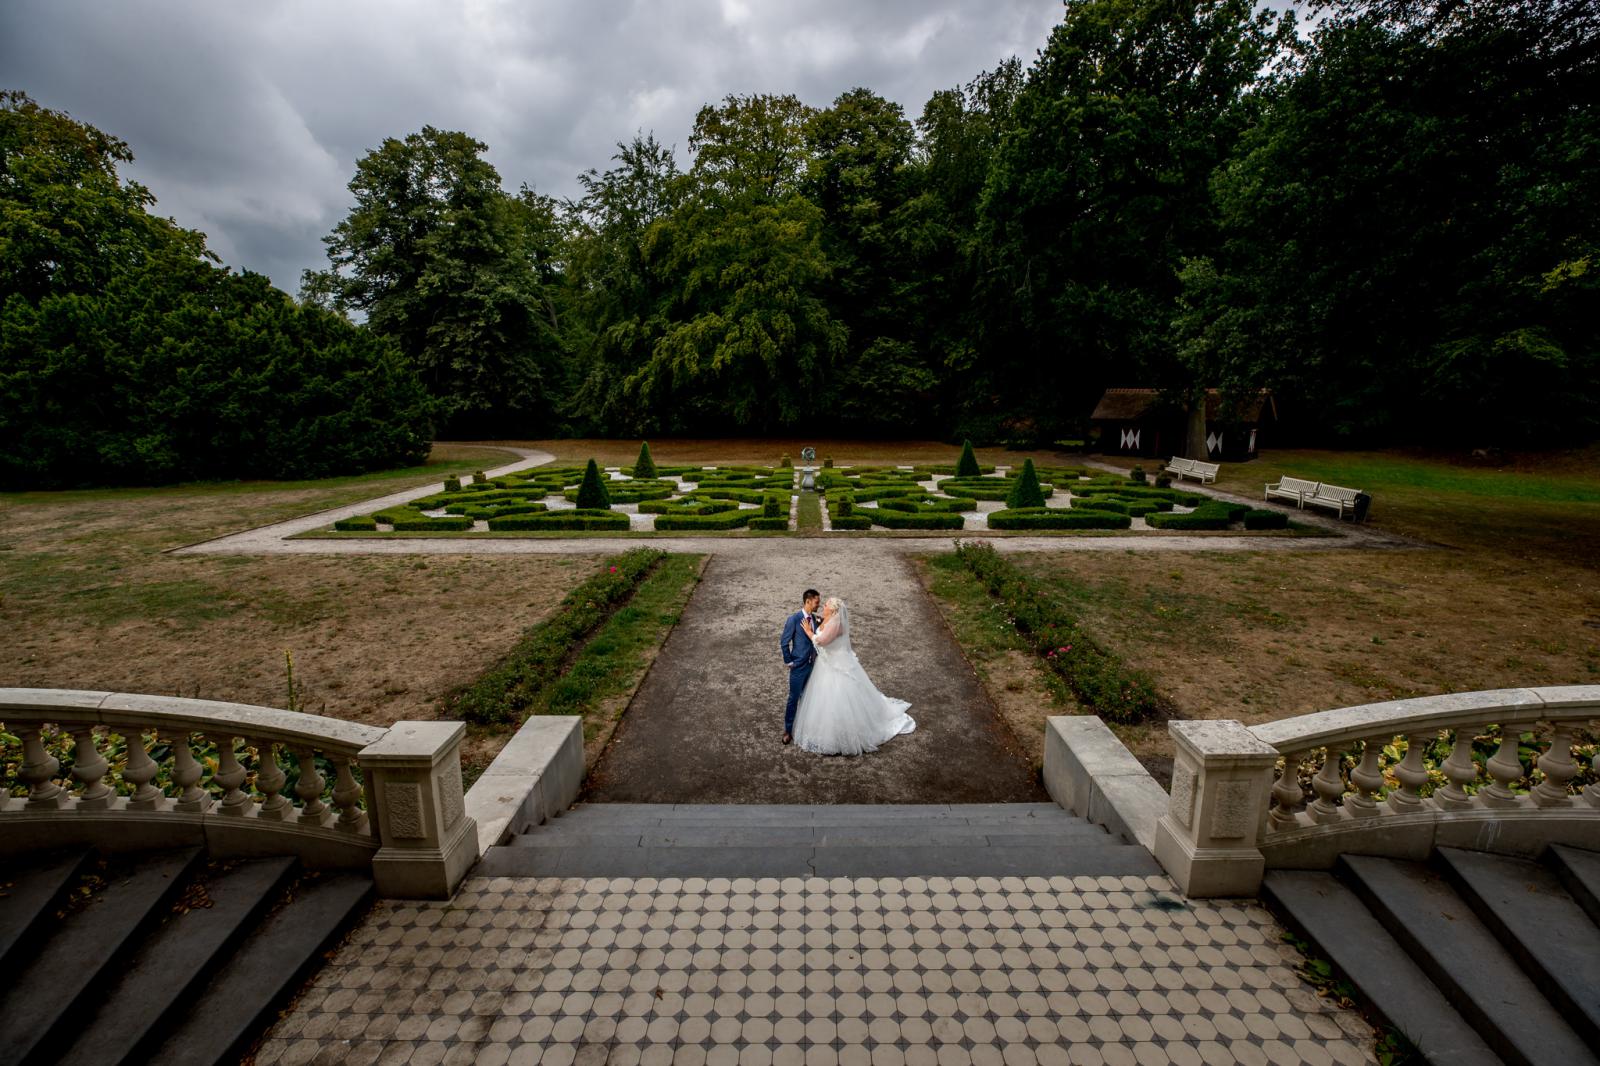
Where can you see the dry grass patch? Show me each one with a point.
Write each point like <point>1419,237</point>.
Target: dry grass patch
<point>89,599</point>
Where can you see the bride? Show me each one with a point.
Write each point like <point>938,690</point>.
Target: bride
<point>842,712</point>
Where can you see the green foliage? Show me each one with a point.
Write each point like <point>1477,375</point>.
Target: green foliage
<point>644,466</point>
<point>1025,491</point>
<point>774,506</point>
<point>1097,677</point>
<point>737,518</point>
<point>769,524</point>
<point>894,518</point>
<point>1263,519</point>
<point>363,523</point>
<point>458,273</point>
<point>407,519</point>
<point>967,465</point>
<point>1053,518</point>
<point>1211,515</point>
<point>592,494</point>
<point>126,357</point>
<point>578,520</point>
<point>503,694</point>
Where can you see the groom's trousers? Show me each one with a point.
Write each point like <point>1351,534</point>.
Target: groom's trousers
<point>797,684</point>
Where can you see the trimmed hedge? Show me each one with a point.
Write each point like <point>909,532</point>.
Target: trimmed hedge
<point>580,519</point>
<point>411,520</point>
<point>1096,677</point>
<point>1260,519</point>
<point>1025,493</point>
<point>773,507</point>
<point>1213,514</point>
<point>736,519</point>
<point>967,465</point>
<point>592,494</point>
<point>769,523</point>
<point>1053,518</point>
<point>644,466</point>
<point>687,505</point>
<point>503,693</point>
<point>361,523</point>
<point>893,519</point>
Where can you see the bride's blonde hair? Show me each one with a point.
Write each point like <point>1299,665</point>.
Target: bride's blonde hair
<point>834,602</point>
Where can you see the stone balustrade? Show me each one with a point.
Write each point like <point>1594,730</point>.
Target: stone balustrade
<point>1240,801</point>
<point>388,799</point>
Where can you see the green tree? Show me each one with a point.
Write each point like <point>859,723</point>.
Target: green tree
<point>967,465</point>
<point>126,357</point>
<point>459,273</point>
<point>1408,231</point>
<point>1025,490</point>
<point>644,466</point>
<point>592,494</point>
<point>1102,188</point>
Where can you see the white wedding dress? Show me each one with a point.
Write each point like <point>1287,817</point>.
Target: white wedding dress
<point>841,711</point>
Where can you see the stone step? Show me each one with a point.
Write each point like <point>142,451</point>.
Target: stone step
<point>819,836</point>
<point>176,958</point>
<point>109,909</point>
<point>1580,875</point>
<point>28,900</point>
<point>1543,928</point>
<point>267,968</point>
<point>1319,908</point>
<point>663,814</point>
<point>806,860</point>
<point>1440,932</point>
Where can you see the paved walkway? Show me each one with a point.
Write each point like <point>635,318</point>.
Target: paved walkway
<point>706,725</point>
<point>815,972</point>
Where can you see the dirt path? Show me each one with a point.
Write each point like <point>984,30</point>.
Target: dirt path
<point>705,727</point>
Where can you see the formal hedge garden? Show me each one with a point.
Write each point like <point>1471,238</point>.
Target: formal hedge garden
<point>648,497</point>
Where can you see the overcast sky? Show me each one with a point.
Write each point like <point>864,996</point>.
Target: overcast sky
<point>246,118</point>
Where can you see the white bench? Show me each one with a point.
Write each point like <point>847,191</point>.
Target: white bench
<point>1200,471</point>
<point>1336,498</point>
<point>1292,488</point>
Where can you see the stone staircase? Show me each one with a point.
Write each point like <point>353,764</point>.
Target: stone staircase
<point>1476,958</point>
<point>844,840</point>
<point>159,957</point>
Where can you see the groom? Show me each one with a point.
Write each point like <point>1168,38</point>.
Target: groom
<point>799,655</point>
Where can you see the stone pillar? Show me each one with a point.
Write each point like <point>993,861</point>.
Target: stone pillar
<point>1209,839</point>
<point>427,842</point>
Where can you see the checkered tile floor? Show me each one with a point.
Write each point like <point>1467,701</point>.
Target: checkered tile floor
<point>816,972</point>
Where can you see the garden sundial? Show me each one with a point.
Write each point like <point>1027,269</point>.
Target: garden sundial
<point>808,481</point>
<point>808,454</point>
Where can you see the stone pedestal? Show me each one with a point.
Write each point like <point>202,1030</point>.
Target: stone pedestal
<point>427,841</point>
<point>1209,839</point>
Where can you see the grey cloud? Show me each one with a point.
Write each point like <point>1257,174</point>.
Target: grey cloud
<point>246,119</point>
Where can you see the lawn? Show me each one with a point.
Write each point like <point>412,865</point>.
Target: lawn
<point>1507,593</point>
<point>89,599</point>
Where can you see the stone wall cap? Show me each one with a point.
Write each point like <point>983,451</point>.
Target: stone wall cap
<point>245,720</point>
<point>1225,737</point>
<point>413,742</point>
<point>26,699</point>
<point>1570,696</point>
<point>1096,747</point>
<point>1399,716</point>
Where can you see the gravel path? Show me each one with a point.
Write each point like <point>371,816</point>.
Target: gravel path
<point>706,725</point>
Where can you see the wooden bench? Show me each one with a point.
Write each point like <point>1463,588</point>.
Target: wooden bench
<point>1336,498</point>
<point>1200,471</point>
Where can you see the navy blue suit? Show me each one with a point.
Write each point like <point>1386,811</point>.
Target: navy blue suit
<point>799,655</point>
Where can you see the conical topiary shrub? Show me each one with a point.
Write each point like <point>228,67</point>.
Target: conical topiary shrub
<point>644,466</point>
<point>1025,490</point>
<point>967,465</point>
<point>592,494</point>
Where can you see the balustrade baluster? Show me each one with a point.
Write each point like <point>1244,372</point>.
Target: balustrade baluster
<point>1287,795</point>
<point>1368,779</point>
<point>309,788</point>
<point>187,772</point>
<point>90,768</point>
<point>270,780</point>
<point>1505,768</point>
<point>347,797</point>
<point>1412,774</point>
<point>1592,792</point>
<point>231,776</point>
<point>139,772</point>
<point>1461,771</point>
<point>37,769</point>
<point>1558,767</point>
<point>1329,787</point>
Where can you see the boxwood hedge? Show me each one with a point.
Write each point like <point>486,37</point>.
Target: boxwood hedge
<point>736,519</point>
<point>1055,518</point>
<point>578,519</point>
<point>1260,519</point>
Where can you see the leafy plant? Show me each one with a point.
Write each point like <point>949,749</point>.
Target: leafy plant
<point>1025,491</point>
<point>592,494</point>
